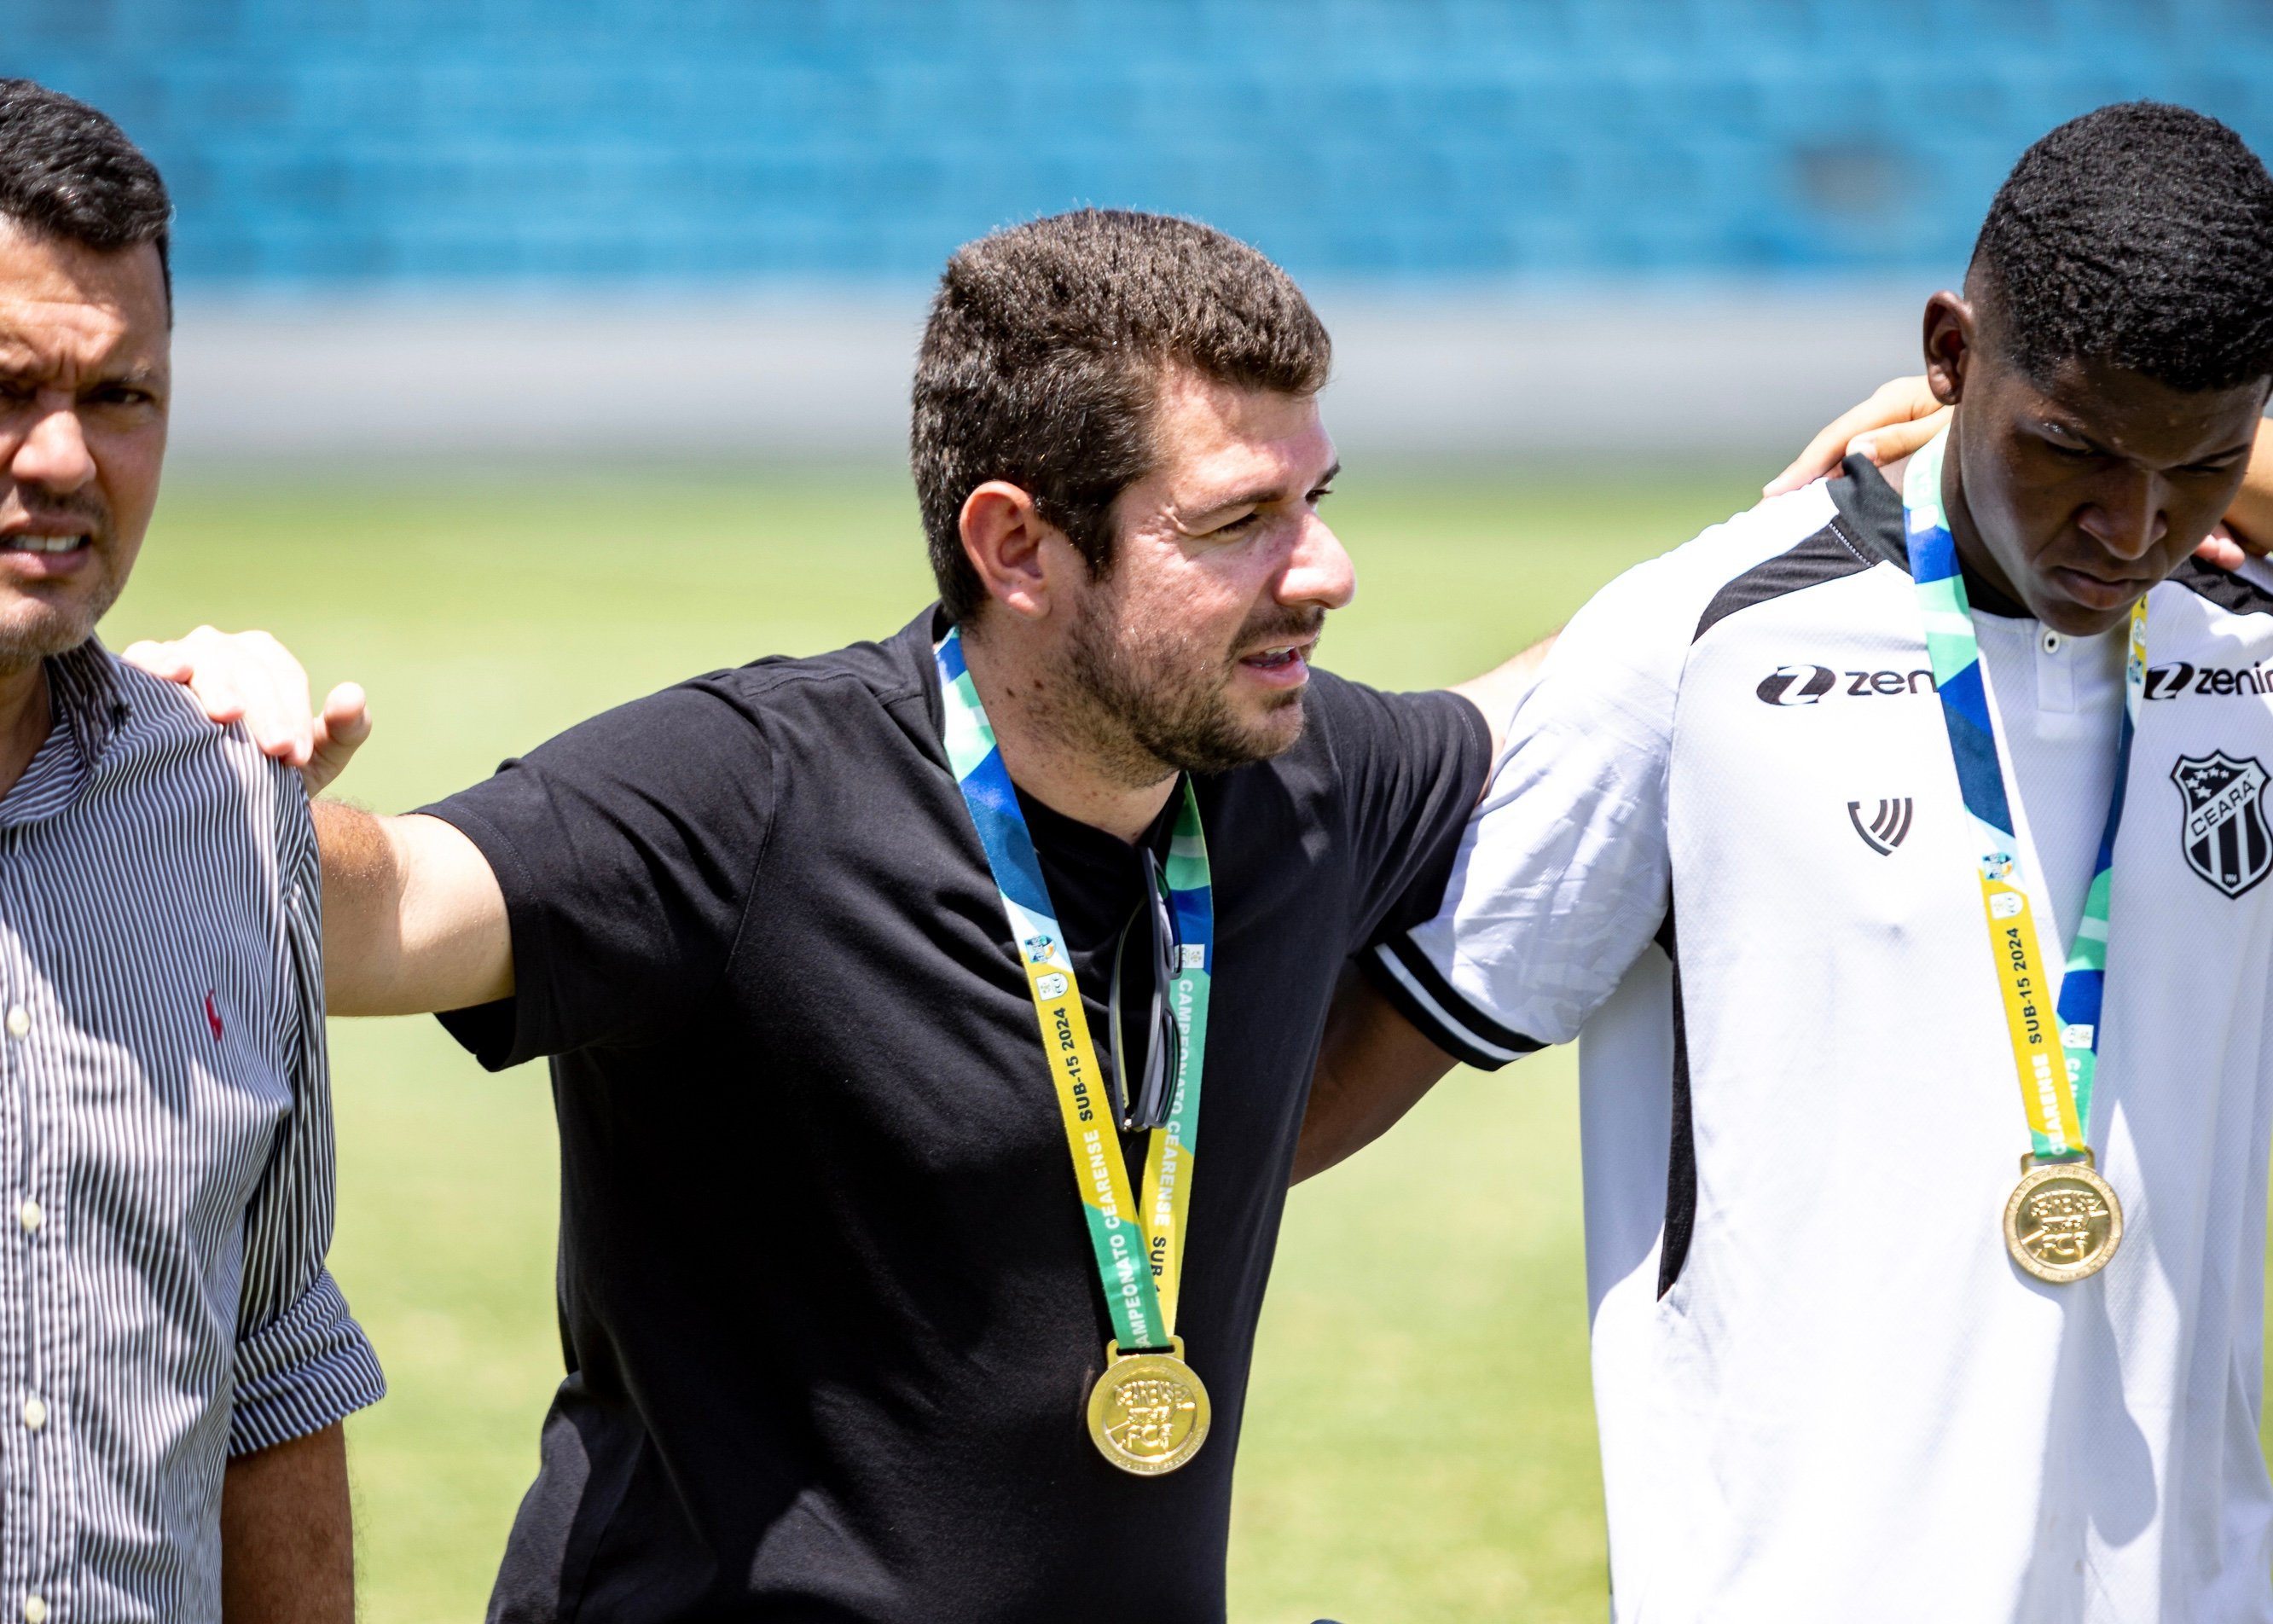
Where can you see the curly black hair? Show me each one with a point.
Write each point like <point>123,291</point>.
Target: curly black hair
<point>2140,236</point>
<point>69,174</point>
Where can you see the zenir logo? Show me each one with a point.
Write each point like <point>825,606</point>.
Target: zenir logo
<point>1805,685</point>
<point>2168,681</point>
<point>1889,827</point>
<point>1796,685</point>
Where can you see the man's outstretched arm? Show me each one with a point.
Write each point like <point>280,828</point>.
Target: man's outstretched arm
<point>414,920</point>
<point>1373,1067</point>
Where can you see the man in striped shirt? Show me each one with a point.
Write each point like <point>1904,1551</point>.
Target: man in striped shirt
<point>175,1361</point>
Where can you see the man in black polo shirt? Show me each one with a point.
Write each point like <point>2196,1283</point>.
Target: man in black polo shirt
<point>833,1313</point>
<point>833,1294</point>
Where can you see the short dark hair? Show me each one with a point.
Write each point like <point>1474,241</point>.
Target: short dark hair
<point>69,174</point>
<point>2141,235</point>
<point>1042,360</point>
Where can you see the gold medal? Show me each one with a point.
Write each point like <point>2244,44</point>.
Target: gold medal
<point>2063,1221</point>
<point>1148,1413</point>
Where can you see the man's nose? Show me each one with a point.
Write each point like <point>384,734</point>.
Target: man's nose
<point>53,452</point>
<point>1319,570</point>
<point>2129,516</point>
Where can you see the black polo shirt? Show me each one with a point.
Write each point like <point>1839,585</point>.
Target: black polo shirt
<point>829,1305</point>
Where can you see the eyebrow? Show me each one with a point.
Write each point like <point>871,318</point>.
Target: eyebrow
<point>140,374</point>
<point>2093,445</point>
<point>2089,442</point>
<point>1258,498</point>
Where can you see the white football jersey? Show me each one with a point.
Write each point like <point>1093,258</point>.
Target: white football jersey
<point>1725,846</point>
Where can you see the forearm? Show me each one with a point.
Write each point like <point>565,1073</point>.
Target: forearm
<point>413,918</point>
<point>1373,1066</point>
<point>286,1534</point>
<point>2252,513</point>
<point>1500,690</point>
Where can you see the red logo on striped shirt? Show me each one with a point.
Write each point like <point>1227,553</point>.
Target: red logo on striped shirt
<point>212,1018</point>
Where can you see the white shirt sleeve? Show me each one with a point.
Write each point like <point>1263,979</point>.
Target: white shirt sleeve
<point>1563,876</point>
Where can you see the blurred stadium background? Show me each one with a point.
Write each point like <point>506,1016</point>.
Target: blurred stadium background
<point>534,353</point>
<point>705,227</point>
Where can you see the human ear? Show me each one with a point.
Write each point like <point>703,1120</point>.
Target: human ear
<point>1949,341</point>
<point>1007,540</point>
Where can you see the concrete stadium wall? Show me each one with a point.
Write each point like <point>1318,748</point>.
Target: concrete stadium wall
<point>1659,372</point>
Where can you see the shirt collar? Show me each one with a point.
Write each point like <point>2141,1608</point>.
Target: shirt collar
<point>1049,828</point>
<point>1870,516</point>
<point>88,707</point>
<point>911,649</point>
<point>83,689</point>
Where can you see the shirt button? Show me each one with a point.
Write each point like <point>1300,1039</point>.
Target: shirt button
<point>19,1020</point>
<point>2051,642</point>
<point>35,1412</point>
<point>35,1610</point>
<point>31,1217</point>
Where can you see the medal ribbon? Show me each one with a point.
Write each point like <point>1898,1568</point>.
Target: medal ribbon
<point>1140,1251</point>
<point>2055,1062</point>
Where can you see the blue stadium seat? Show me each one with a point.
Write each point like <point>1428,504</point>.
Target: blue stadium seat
<point>315,144</point>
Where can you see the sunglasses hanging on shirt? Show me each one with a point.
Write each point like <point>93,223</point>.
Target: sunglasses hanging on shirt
<point>1145,1105</point>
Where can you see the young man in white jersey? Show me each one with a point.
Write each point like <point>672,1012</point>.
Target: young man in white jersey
<point>1926,1281</point>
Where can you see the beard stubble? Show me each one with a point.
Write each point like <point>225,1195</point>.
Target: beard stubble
<point>39,624</point>
<point>1153,704</point>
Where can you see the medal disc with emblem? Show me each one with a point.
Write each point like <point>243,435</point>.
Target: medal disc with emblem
<point>2063,1221</point>
<point>1148,1413</point>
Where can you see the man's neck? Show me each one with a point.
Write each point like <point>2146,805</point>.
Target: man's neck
<point>1972,552</point>
<point>1026,708</point>
<point>25,716</point>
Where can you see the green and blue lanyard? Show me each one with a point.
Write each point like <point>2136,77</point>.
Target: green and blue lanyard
<point>2055,1059</point>
<point>1139,1250</point>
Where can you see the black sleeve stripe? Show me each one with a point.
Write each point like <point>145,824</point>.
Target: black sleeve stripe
<point>1434,983</point>
<point>2223,588</point>
<point>1827,555</point>
<point>1681,1153</point>
<point>1444,1017</point>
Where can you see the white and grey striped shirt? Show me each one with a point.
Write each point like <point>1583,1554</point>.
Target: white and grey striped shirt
<point>165,1149</point>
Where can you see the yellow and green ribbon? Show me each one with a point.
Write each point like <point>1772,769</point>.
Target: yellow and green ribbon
<point>1139,1248</point>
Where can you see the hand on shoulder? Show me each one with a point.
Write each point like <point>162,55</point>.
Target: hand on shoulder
<point>249,677</point>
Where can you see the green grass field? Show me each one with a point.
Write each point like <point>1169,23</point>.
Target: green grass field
<point>1439,1465</point>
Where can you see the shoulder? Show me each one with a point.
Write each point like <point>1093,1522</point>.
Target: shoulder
<point>2247,591</point>
<point>1624,650</point>
<point>166,744</point>
<point>1335,705</point>
<point>1348,724</point>
<point>1674,597</point>
<point>874,676</point>
<point>709,760</point>
<point>153,715</point>
<point>746,712</point>
<point>204,792</point>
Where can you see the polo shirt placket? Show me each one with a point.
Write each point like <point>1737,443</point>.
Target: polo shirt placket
<point>33,1582</point>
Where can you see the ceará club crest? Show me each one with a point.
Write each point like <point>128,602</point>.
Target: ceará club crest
<point>2224,837</point>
